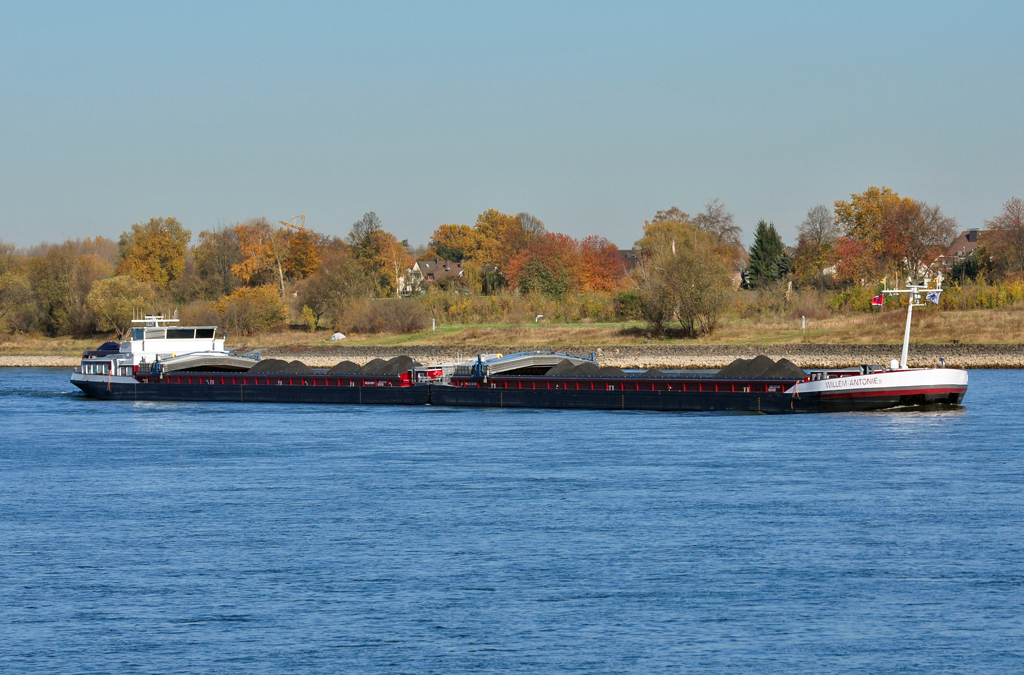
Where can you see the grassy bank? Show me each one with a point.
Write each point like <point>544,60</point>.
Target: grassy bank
<point>986,326</point>
<point>982,326</point>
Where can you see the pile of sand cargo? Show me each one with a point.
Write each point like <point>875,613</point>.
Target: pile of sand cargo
<point>762,367</point>
<point>755,368</point>
<point>395,366</point>
<point>279,366</point>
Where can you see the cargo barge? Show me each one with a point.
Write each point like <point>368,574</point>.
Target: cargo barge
<point>163,362</point>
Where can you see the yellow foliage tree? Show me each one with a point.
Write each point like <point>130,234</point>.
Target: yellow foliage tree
<point>455,242</point>
<point>154,251</point>
<point>495,231</point>
<point>502,236</point>
<point>393,259</point>
<point>117,300</point>
<point>305,252</point>
<point>252,309</point>
<point>263,253</point>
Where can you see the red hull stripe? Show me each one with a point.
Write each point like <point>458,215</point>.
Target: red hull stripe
<point>908,391</point>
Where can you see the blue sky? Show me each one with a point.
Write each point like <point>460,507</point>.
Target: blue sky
<point>591,116</point>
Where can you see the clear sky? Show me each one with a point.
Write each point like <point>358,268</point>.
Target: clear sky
<point>590,115</point>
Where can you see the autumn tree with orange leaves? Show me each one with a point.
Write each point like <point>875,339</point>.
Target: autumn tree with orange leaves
<point>556,264</point>
<point>551,265</point>
<point>305,252</point>
<point>603,270</point>
<point>263,251</point>
<point>890,234</point>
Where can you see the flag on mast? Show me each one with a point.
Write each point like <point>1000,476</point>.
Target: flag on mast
<point>876,301</point>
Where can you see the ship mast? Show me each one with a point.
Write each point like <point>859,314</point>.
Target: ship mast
<point>914,291</point>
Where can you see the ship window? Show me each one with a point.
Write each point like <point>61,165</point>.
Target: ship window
<point>155,333</point>
<point>180,333</point>
<point>138,333</point>
<point>204,333</point>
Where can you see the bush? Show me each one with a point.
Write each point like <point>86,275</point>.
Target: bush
<point>252,309</point>
<point>811,303</point>
<point>387,316</point>
<point>199,313</point>
<point>628,306</point>
<point>685,277</point>
<point>18,309</point>
<point>855,299</point>
<point>332,288</point>
<point>767,299</point>
<point>118,300</point>
<point>507,308</point>
<point>61,280</point>
<point>982,296</point>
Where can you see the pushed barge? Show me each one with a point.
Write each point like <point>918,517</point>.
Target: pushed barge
<point>162,362</point>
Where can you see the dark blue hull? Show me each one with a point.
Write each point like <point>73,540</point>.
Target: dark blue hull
<point>257,393</point>
<point>616,400</point>
<point>486,397</point>
<point>449,396</point>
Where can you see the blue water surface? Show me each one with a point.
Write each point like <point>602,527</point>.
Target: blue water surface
<point>260,538</point>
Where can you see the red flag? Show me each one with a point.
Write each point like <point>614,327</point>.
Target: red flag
<point>877,300</point>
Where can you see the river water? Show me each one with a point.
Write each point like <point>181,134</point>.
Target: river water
<point>184,537</point>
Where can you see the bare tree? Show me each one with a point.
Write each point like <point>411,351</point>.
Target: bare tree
<point>929,233</point>
<point>522,233</point>
<point>1008,234</point>
<point>361,236</point>
<point>817,237</point>
<point>719,223</point>
<point>819,227</point>
<point>532,226</point>
<point>939,230</point>
<point>7,257</point>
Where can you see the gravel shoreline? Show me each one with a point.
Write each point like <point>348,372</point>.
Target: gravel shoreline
<point>39,361</point>
<point>652,356</point>
<point>685,356</point>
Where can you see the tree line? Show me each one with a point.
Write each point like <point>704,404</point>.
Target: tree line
<point>683,271</point>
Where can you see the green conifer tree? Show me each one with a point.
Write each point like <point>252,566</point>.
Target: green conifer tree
<point>767,261</point>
